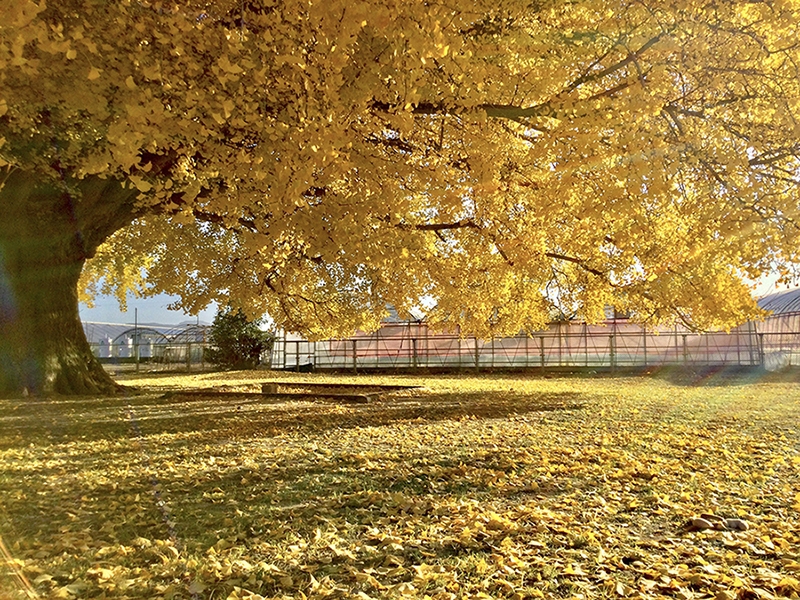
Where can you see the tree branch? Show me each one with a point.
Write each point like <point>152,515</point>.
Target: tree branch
<point>610,70</point>
<point>463,223</point>
<point>522,114</point>
<point>576,261</point>
<point>210,217</point>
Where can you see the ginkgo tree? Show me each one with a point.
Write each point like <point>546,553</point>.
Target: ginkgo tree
<point>317,161</point>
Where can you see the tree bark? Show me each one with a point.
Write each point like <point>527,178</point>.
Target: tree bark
<point>47,231</point>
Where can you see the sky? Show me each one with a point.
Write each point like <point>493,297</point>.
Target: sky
<point>768,285</point>
<point>151,310</point>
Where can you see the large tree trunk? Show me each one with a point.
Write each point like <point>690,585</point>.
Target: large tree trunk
<point>47,231</point>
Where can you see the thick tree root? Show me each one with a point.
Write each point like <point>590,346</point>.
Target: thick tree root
<point>63,375</point>
<point>89,380</point>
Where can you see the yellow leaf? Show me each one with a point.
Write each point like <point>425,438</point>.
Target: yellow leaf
<point>572,569</point>
<point>227,106</point>
<point>141,184</point>
<point>196,587</point>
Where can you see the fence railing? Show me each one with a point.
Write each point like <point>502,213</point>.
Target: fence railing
<point>189,356</point>
<point>148,347</point>
<point>413,346</point>
<point>575,346</point>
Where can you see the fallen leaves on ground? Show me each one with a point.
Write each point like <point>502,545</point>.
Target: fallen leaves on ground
<point>475,487</point>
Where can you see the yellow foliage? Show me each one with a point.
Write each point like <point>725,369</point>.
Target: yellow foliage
<point>501,162</point>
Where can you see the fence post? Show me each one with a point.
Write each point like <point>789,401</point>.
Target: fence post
<point>527,339</point>
<point>136,337</point>
<point>355,354</point>
<point>189,356</point>
<point>459,352</point>
<point>558,332</point>
<point>477,357</point>
<point>761,348</point>
<point>585,345</point>
<point>492,363</point>
<point>284,350</point>
<point>611,350</point>
<point>644,345</point>
<point>541,352</point>
<point>685,350</point>
<point>677,352</point>
<point>414,353</point>
<point>738,350</point>
<point>297,356</point>
<point>427,354</point>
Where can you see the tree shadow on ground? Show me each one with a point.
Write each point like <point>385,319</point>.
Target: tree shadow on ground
<point>148,434</point>
<point>70,444</point>
<point>23,422</point>
<point>720,376</point>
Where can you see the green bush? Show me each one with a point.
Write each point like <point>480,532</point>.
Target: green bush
<point>237,343</point>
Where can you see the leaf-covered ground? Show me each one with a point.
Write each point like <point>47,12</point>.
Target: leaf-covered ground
<point>489,487</point>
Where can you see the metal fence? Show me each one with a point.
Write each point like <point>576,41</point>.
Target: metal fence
<point>773,343</point>
<point>148,347</point>
<point>614,344</point>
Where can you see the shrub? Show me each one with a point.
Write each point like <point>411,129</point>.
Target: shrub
<point>236,342</point>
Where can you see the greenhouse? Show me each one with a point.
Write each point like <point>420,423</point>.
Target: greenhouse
<point>617,342</point>
<point>163,345</point>
<point>409,343</point>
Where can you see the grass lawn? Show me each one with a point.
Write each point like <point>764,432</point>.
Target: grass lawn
<point>473,487</point>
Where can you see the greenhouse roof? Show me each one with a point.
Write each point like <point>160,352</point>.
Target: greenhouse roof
<point>97,332</point>
<point>781,302</point>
